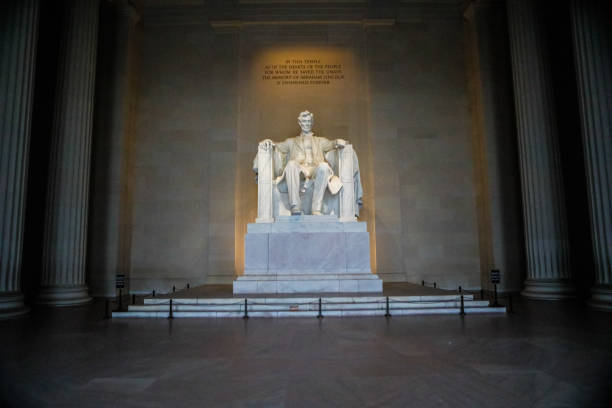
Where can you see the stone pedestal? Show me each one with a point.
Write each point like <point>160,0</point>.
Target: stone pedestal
<point>590,21</point>
<point>307,254</point>
<point>546,235</point>
<point>63,275</point>
<point>18,36</point>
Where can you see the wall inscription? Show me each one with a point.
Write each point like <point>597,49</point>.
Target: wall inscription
<point>307,71</point>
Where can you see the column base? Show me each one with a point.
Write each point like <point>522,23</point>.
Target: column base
<point>601,298</point>
<point>63,295</point>
<point>11,305</point>
<point>548,290</point>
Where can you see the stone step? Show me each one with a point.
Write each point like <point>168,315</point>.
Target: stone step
<point>253,306</point>
<point>306,313</point>
<point>309,299</point>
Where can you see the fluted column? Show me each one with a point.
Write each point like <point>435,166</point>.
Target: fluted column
<point>548,266</point>
<point>63,275</point>
<point>594,70</point>
<point>111,193</point>
<point>18,38</point>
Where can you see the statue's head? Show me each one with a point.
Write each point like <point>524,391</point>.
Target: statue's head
<point>305,120</point>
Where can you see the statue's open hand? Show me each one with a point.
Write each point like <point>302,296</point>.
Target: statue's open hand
<point>340,143</point>
<point>266,144</point>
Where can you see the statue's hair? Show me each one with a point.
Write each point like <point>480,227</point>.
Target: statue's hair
<point>306,113</point>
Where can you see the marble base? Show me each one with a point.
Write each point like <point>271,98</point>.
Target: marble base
<point>11,305</point>
<point>548,290</point>
<point>307,254</point>
<point>328,283</point>
<point>63,295</point>
<point>601,298</point>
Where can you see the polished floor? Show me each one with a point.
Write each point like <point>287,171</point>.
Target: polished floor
<point>546,354</point>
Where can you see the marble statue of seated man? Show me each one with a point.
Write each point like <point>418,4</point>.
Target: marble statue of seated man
<point>306,163</point>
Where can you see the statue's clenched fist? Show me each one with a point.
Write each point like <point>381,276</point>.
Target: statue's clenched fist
<point>266,144</point>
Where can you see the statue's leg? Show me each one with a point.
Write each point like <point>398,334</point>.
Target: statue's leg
<point>321,177</point>
<point>292,175</point>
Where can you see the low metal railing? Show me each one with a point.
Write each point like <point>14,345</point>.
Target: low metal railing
<point>386,302</point>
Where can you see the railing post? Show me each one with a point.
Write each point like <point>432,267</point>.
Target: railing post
<point>153,292</point>
<point>173,288</point>
<point>120,296</point>
<point>509,308</point>
<point>387,314</point>
<point>462,310</point>
<point>460,290</point>
<point>320,315</point>
<point>246,311</point>
<point>481,294</point>
<point>170,314</point>
<point>106,314</point>
<point>435,285</point>
<point>133,299</point>
<point>422,283</point>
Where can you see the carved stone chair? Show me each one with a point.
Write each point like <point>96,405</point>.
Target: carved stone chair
<point>273,200</point>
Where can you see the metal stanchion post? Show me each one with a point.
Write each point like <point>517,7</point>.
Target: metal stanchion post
<point>422,283</point>
<point>246,311</point>
<point>133,299</point>
<point>120,296</point>
<point>106,314</point>
<point>153,292</point>
<point>387,314</point>
<point>170,314</point>
<point>435,284</point>
<point>509,308</point>
<point>495,292</point>
<point>462,310</point>
<point>187,286</point>
<point>173,288</point>
<point>460,290</point>
<point>320,315</point>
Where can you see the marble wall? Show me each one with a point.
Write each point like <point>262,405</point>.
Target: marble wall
<point>422,158</point>
<point>184,159</point>
<point>202,106</point>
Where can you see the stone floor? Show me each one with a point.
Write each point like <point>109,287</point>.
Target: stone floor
<point>546,354</point>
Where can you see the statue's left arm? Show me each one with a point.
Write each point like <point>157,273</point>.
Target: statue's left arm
<point>327,145</point>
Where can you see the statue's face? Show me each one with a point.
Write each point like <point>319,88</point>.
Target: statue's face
<point>305,123</point>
